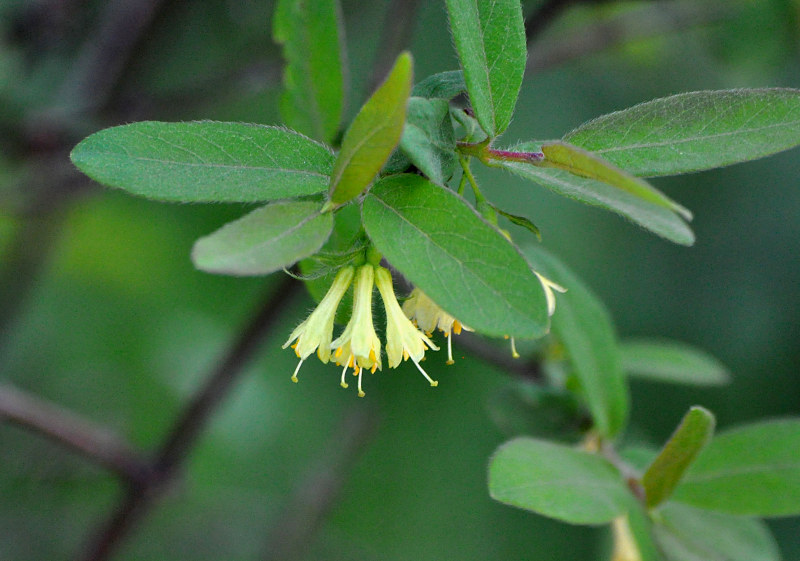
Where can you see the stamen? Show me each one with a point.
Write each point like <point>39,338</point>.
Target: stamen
<point>405,354</point>
<point>450,351</point>
<point>374,368</point>
<point>457,327</point>
<point>296,370</point>
<point>433,382</point>
<point>338,352</point>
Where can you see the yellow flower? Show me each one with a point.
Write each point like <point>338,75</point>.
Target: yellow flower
<point>316,331</point>
<point>429,316</point>
<point>549,286</point>
<point>358,346</point>
<point>403,340</point>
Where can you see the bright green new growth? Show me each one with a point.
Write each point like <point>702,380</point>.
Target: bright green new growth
<point>585,164</point>
<point>373,135</point>
<point>676,456</point>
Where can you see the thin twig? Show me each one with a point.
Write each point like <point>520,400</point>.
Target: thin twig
<point>196,415</point>
<point>647,21</point>
<point>64,427</point>
<point>316,492</point>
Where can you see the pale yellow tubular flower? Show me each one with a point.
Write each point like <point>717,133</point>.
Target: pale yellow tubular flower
<point>403,340</point>
<point>316,331</point>
<point>358,346</point>
<point>549,286</point>
<point>429,316</point>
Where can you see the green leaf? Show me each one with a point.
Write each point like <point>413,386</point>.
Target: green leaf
<point>676,456</point>
<point>463,263</point>
<point>489,36</point>
<point>205,161</point>
<point>585,164</point>
<point>695,131</point>
<point>444,85</point>
<point>428,139</point>
<point>266,240</point>
<point>688,534</point>
<point>373,135</point>
<point>584,327</point>
<point>313,77</point>
<point>753,470</point>
<point>519,221</point>
<point>557,481</point>
<point>657,219</point>
<point>671,361</point>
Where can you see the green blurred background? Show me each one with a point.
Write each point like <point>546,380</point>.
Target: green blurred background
<point>102,313</point>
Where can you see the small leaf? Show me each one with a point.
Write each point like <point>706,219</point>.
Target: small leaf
<point>313,80</point>
<point>676,456</point>
<point>459,260</point>
<point>671,361</point>
<point>489,36</point>
<point>657,219</point>
<point>519,221</point>
<point>688,534</point>
<point>428,139</point>
<point>753,470</point>
<point>444,85</point>
<point>585,164</point>
<point>557,481</point>
<point>373,135</point>
<point>584,327</point>
<point>205,161</point>
<point>266,240</point>
<point>694,131</point>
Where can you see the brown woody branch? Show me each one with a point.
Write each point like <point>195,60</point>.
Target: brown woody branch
<point>168,462</point>
<point>64,427</point>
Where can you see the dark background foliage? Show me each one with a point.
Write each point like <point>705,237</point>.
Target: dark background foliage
<point>102,314</point>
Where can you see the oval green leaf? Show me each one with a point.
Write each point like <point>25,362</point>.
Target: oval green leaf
<point>657,219</point>
<point>676,456</point>
<point>753,470</point>
<point>557,481</point>
<point>264,241</point>
<point>583,325</point>
<point>374,133</point>
<point>205,161</point>
<point>313,79</point>
<point>463,263</point>
<point>671,361</point>
<point>695,131</point>
<point>489,36</point>
<point>585,164</point>
<point>688,534</point>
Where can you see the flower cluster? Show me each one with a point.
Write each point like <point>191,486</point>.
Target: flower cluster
<point>408,328</point>
<point>358,347</point>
